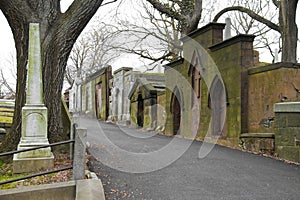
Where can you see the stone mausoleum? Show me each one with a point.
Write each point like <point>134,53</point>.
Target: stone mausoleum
<point>121,84</point>
<point>92,95</point>
<point>235,99</point>
<point>147,101</point>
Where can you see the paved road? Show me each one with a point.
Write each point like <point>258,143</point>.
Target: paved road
<point>223,174</point>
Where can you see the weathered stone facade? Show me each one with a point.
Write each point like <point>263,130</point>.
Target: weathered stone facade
<point>268,85</point>
<point>249,90</point>
<point>218,90</point>
<point>75,97</point>
<point>147,97</point>
<point>232,57</point>
<point>92,96</point>
<point>122,82</point>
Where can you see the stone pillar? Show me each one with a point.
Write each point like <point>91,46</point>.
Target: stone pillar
<point>34,114</point>
<point>287,130</point>
<point>227,32</point>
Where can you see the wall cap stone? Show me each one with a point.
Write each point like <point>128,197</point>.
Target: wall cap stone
<point>174,63</point>
<point>123,69</point>
<point>233,40</point>
<point>273,66</point>
<point>208,27</point>
<point>287,107</point>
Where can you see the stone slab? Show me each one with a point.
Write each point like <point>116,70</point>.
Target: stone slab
<point>55,191</point>
<point>90,189</point>
<point>23,165</point>
<point>287,107</point>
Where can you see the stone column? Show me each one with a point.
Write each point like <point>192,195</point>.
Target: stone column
<point>34,114</point>
<point>227,32</point>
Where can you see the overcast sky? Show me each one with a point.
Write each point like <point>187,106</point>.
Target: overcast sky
<point>7,48</point>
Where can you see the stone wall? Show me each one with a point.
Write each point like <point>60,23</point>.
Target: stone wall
<point>269,85</point>
<point>161,113</point>
<point>123,81</point>
<point>232,57</point>
<point>88,97</point>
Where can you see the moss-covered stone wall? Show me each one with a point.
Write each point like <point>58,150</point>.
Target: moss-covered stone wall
<point>232,57</point>
<point>133,114</point>
<point>161,113</point>
<point>177,81</point>
<point>269,85</point>
<point>89,104</point>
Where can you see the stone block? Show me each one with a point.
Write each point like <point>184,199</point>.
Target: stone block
<point>258,142</point>
<point>22,165</point>
<point>291,153</point>
<point>293,119</point>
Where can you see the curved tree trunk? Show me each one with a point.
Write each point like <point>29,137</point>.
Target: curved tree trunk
<point>287,25</point>
<point>289,29</point>
<point>59,32</point>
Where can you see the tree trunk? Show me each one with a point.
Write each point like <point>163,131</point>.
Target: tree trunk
<point>59,32</point>
<point>19,29</point>
<point>289,30</point>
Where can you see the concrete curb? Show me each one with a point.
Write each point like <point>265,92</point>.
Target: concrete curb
<point>86,189</point>
<point>90,189</point>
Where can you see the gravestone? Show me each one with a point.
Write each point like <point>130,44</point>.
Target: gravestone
<point>34,114</point>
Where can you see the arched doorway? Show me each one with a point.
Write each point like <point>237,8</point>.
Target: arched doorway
<point>140,111</point>
<point>218,107</point>
<point>176,111</point>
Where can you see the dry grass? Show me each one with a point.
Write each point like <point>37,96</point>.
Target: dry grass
<point>61,161</point>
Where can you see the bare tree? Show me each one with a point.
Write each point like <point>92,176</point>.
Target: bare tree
<point>153,36</point>
<point>4,83</point>
<point>93,50</point>
<point>157,28</point>
<point>286,25</point>
<point>241,23</point>
<point>59,32</point>
<point>188,12</point>
<point>7,85</point>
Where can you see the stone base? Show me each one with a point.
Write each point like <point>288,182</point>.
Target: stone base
<point>258,142</point>
<point>24,165</point>
<point>291,153</point>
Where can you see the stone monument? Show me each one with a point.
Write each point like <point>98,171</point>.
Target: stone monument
<point>34,114</point>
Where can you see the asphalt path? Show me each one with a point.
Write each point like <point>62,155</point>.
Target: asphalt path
<point>223,174</point>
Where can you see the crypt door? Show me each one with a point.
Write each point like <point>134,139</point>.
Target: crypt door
<point>176,111</point>
<point>218,106</point>
<point>140,111</point>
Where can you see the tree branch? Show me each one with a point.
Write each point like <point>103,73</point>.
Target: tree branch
<point>163,9</point>
<point>113,1</point>
<point>276,3</point>
<point>251,14</point>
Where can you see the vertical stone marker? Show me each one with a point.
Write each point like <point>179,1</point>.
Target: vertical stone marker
<point>34,114</point>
